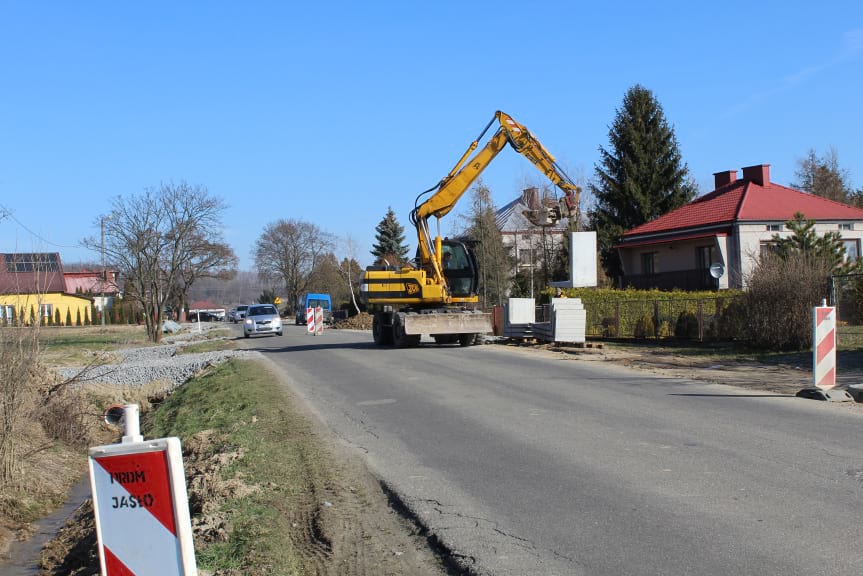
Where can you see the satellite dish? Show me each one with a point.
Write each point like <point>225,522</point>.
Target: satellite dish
<point>717,270</point>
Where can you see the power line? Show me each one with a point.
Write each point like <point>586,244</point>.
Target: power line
<point>4,211</point>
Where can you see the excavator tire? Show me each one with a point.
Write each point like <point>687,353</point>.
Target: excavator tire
<point>400,339</point>
<point>445,338</point>
<point>381,332</point>
<point>466,339</point>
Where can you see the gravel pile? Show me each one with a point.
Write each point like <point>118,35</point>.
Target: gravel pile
<point>138,366</point>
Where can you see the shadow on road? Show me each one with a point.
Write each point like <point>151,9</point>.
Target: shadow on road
<point>736,395</point>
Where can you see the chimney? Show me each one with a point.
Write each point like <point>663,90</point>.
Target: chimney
<point>759,174</point>
<point>721,179</point>
<point>530,198</point>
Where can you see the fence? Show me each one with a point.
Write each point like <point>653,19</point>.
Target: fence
<point>845,293</point>
<point>700,319</point>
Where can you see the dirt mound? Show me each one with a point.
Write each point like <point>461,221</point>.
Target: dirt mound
<point>362,321</point>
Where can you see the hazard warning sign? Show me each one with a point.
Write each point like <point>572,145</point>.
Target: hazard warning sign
<point>141,508</point>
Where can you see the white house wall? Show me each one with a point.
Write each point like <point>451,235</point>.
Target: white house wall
<point>670,257</point>
<point>722,244</point>
<point>752,235</point>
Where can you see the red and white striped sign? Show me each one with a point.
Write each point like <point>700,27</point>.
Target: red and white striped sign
<point>824,346</point>
<point>142,515</point>
<point>310,320</point>
<point>319,320</point>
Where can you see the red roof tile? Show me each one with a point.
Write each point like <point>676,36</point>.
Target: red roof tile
<point>744,201</point>
<point>90,282</point>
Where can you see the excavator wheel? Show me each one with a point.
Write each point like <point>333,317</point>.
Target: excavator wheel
<point>402,340</point>
<point>445,338</point>
<point>381,333</point>
<point>466,339</point>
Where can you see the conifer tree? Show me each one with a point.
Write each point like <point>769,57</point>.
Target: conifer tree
<point>641,176</point>
<point>78,317</point>
<point>57,317</point>
<point>390,238</point>
<point>68,316</point>
<point>494,260</point>
<point>805,241</point>
<point>87,316</point>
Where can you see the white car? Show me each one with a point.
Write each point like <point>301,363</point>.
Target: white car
<point>262,319</point>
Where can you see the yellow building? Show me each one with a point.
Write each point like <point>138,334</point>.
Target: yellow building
<point>32,287</point>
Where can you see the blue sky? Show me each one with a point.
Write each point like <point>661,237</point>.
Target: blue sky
<point>330,112</point>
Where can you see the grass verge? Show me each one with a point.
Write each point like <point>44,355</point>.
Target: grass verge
<point>240,407</point>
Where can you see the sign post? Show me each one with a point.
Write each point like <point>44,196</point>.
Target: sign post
<point>824,358</point>
<point>319,321</point>
<point>141,506</point>
<point>310,321</point>
<point>824,346</point>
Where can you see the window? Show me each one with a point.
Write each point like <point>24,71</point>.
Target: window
<point>774,227</point>
<point>846,226</point>
<point>7,313</point>
<point>46,310</point>
<point>766,248</point>
<point>703,257</point>
<point>648,263</point>
<point>852,250</point>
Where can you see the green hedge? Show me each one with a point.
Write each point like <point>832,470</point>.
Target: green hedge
<point>635,313</point>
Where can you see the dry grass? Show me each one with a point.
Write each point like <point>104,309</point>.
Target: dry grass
<point>46,423</point>
<point>62,346</point>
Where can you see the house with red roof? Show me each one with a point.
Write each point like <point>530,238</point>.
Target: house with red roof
<point>33,289</point>
<point>715,241</point>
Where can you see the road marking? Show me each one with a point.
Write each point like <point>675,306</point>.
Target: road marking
<point>377,402</point>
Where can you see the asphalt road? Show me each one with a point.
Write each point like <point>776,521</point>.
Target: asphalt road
<point>522,462</point>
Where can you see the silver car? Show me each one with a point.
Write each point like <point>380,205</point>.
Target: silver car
<point>262,319</point>
<point>238,313</point>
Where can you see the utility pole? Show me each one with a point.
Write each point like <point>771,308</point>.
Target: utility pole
<point>104,271</point>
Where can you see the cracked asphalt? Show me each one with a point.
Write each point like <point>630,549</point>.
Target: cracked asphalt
<point>520,462</point>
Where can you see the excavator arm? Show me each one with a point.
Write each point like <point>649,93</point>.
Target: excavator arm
<point>452,187</point>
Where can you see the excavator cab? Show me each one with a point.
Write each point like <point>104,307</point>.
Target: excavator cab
<point>459,268</point>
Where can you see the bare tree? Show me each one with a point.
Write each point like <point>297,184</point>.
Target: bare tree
<point>822,176</point>
<point>350,269</point>
<point>149,237</point>
<point>205,257</point>
<point>325,277</point>
<point>289,250</point>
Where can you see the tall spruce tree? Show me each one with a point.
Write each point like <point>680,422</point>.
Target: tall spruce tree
<point>641,176</point>
<point>390,239</point>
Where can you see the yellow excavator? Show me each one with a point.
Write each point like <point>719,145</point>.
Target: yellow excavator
<point>437,293</point>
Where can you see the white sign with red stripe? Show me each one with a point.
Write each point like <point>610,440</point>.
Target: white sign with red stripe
<point>319,320</point>
<point>141,509</point>
<point>310,320</point>
<point>824,346</point>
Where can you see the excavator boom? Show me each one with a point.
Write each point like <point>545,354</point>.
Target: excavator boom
<point>431,298</point>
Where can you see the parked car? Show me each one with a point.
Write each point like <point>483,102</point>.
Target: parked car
<point>238,313</point>
<point>262,319</point>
